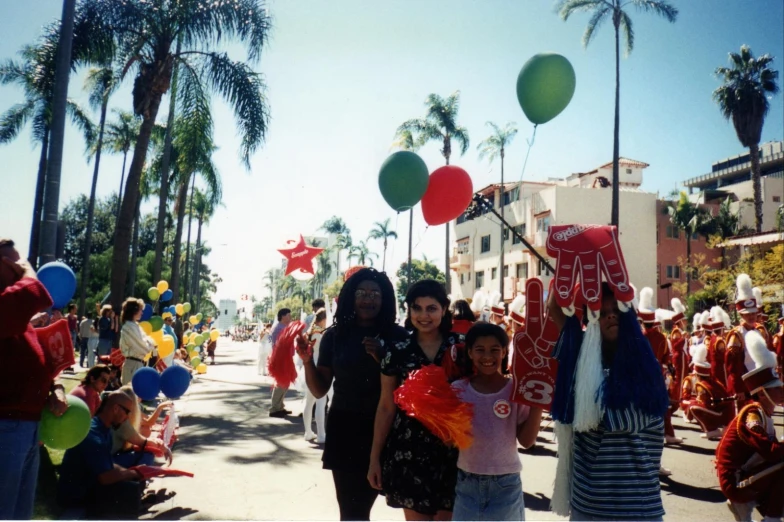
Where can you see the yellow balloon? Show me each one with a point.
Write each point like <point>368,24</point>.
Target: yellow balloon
<point>193,320</point>
<point>179,310</point>
<point>146,326</point>
<point>202,368</point>
<point>162,286</point>
<point>147,357</point>
<point>214,335</point>
<point>194,354</point>
<point>157,337</point>
<point>166,348</point>
<point>165,315</point>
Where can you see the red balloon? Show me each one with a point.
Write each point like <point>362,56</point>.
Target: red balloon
<point>449,193</point>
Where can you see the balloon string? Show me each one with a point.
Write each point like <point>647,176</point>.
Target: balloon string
<point>419,240</point>
<point>530,144</point>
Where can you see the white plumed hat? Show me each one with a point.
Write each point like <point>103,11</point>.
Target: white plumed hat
<point>762,376</point>
<point>646,311</point>
<point>679,309</point>
<point>744,299</point>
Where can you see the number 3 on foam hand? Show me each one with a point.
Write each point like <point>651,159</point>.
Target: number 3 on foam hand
<point>538,392</point>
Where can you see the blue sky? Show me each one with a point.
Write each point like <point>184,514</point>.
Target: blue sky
<point>342,75</point>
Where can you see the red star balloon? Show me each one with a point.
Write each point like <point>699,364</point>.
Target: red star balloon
<point>300,256</point>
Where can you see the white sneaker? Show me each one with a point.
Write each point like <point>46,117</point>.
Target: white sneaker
<point>321,440</point>
<point>670,439</point>
<point>310,435</point>
<point>664,472</point>
<point>713,434</point>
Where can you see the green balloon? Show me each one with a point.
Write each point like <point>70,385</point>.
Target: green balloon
<point>66,431</point>
<point>156,322</point>
<point>403,180</point>
<point>199,316</point>
<point>195,361</point>
<point>153,293</point>
<point>186,307</point>
<point>545,86</point>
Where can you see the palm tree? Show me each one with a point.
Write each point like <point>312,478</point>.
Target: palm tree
<point>34,73</point>
<point>494,146</point>
<point>147,187</point>
<point>100,83</point>
<point>692,219</point>
<point>121,135</point>
<point>203,208</point>
<point>405,141</point>
<point>324,270</point>
<point>147,32</point>
<point>270,278</point>
<point>614,10</point>
<point>382,231</point>
<point>440,124</point>
<point>344,242</point>
<point>743,98</point>
<point>336,225</point>
<point>362,254</point>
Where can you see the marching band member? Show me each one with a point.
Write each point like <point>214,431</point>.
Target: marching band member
<point>778,347</point>
<point>678,352</point>
<point>717,347</point>
<point>749,458</point>
<point>738,360</point>
<point>706,401</point>
<point>762,317</point>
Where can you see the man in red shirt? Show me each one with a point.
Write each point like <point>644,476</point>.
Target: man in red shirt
<point>25,391</point>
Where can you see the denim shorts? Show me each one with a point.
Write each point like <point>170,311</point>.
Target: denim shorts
<point>488,497</point>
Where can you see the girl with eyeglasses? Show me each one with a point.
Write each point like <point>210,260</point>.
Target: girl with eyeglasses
<point>349,353</point>
<point>92,386</point>
<point>413,467</point>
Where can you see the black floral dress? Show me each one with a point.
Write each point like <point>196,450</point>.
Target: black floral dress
<point>418,471</point>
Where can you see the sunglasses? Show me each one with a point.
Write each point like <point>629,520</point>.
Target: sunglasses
<point>372,296</point>
<point>126,410</point>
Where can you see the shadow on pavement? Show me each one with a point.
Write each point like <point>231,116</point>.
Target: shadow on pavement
<point>537,502</point>
<point>175,513</point>
<point>538,451</point>
<point>692,449</point>
<point>701,494</point>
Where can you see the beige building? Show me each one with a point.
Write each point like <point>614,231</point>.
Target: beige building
<point>531,207</point>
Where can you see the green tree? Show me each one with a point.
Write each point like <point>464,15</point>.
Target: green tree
<point>692,219</point>
<point>419,270</point>
<point>440,124</point>
<point>492,147</point>
<point>203,209</point>
<point>362,254</point>
<point>34,73</point>
<point>382,231</point>
<point>146,33</point>
<point>121,135</point>
<point>603,10</point>
<point>335,225</point>
<point>743,99</point>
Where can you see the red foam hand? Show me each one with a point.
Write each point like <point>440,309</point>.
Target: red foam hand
<point>116,357</point>
<point>590,251</point>
<point>533,370</point>
<point>55,340</point>
<point>148,472</point>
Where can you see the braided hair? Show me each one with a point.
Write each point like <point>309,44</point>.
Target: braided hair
<point>345,315</point>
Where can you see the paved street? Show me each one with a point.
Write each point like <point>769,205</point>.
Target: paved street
<point>249,466</point>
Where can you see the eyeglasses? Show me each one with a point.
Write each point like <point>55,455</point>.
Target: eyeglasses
<point>372,296</point>
<point>126,410</point>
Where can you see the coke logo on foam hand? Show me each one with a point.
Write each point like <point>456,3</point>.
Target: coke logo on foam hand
<point>572,231</point>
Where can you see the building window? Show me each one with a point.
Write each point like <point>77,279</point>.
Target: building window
<point>542,268</point>
<point>543,224</point>
<point>485,245</point>
<point>462,278</point>
<point>506,233</point>
<point>522,271</point>
<point>506,271</point>
<point>628,171</point>
<point>462,246</point>
<point>493,273</point>
<point>480,279</point>
<point>673,272</point>
<point>673,232</point>
<point>520,229</point>
<point>469,276</point>
<point>777,199</point>
<point>511,196</point>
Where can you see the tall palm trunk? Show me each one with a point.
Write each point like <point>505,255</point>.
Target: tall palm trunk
<point>182,199</point>
<point>447,273</point>
<point>614,218</point>
<point>197,264</point>
<point>188,242</point>
<point>119,192</point>
<point>501,269</point>
<point>756,185</point>
<point>164,192</point>
<point>135,247</point>
<point>88,233</point>
<point>55,156</point>
<point>38,206</point>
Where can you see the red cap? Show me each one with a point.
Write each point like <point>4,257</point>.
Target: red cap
<point>703,370</point>
<point>747,306</point>
<point>678,317</point>
<point>762,377</point>
<point>497,310</point>
<point>519,319</point>
<point>647,317</point>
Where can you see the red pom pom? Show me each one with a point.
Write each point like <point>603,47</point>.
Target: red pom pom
<point>428,397</point>
<point>281,362</point>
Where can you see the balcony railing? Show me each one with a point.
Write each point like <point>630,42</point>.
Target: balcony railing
<point>459,261</point>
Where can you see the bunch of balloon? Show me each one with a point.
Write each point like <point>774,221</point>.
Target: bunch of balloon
<point>403,180</point>
<point>545,87</point>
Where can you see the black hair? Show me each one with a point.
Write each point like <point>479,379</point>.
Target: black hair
<point>485,329</point>
<point>283,312</point>
<point>95,372</point>
<point>434,289</point>
<point>345,315</point>
<point>461,311</point>
<point>317,304</point>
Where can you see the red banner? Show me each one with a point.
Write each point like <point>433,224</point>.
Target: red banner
<point>55,340</point>
<point>533,368</point>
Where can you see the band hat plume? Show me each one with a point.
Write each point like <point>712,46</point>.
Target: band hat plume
<point>744,298</point>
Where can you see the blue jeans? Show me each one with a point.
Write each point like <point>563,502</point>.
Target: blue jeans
<point>82,351</point>
<point>488,497</point>
<point>578,515</point>
<point>19,461</point>
<point>128,459</point>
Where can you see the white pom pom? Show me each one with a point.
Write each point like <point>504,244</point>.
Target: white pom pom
<point>743,283</point>
<point>757,292</point>
<point>757,349</point>
<point>561,502</point>
<point>589,377</point>
<point>646,299</point>
<point>677,305</point>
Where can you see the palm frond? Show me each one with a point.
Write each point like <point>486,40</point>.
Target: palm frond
<point>567,8</point>
<point>244,90</point>
<point>82,121</point>
<point>99,83</point>
<point>460,135</point>
<point>628,32</point>
<point>659,7</point>
<point>12,121</point>
<point>596,20</point>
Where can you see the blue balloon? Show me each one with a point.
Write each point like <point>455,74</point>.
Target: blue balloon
<point>59,281</point>
<point>147,312</point>
<point>175,381</point>
<point>167,295</point>
<point>146,383</point>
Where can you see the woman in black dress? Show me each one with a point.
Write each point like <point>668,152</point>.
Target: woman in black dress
<point>350,351</point>
<point>415,470</point>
